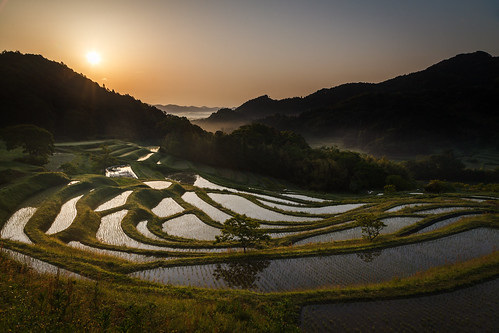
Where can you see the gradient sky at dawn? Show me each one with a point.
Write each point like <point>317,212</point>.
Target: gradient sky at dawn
<point>222,53</point>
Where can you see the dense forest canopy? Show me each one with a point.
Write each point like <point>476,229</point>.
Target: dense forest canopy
<point>286,155</point>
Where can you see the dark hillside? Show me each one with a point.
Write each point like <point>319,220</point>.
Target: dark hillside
<point>50,95</point>
<point>452,104</point>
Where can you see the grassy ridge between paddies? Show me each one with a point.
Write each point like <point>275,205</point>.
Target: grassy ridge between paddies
<point>119,303</point>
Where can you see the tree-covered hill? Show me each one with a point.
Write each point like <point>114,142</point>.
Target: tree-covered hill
<point>34,90</point>
<point>450,104</point>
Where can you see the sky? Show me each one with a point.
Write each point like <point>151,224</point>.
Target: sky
<point>225,52</point>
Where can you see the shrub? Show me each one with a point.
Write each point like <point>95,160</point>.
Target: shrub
<point>398,182</point>
<point>438,186</point>
<point>388,189</point>
<point>37,142</point>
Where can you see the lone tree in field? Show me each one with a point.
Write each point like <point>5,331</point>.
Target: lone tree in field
<point>244,230</point>
<point>370,225</point>
<point>36,141</point>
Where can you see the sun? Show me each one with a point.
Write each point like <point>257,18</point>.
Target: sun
<point>93,57</point>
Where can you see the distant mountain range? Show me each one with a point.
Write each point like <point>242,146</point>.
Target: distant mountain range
<point>452,103</point>
<point>190,112</point>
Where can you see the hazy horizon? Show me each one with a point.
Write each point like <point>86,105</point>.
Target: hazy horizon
<point>211,53</point>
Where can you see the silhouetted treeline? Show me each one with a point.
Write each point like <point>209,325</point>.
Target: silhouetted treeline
<point>446,166</point>
<point>282,154</point>
<point>34,90</point>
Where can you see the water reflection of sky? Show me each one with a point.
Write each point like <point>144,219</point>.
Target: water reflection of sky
<point>340,270</point>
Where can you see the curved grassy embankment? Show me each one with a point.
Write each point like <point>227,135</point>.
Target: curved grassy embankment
<point>114,301</point>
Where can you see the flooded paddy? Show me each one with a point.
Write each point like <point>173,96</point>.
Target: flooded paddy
<point>333,270</point>
<point>400,207</point>
<point>14,227</point>
<point>181,211</point>
<point>472,309</point>
<point>242,205</point>
<point>444,223</point>
<point>144,230</point>
<point>65,217</point>
<point>167,207</point>
<point>117,201</point>
<point>393,224</point>
<point>303,197</point>
<point>145,157</point>
<point>204,183</point>
<point>336,209</point>
<point>214,213</point>
<point>190,226</point>
<point>110,232</point>
<point>158,184</point>
<point>352,233</point>
<point>113,253</point>
<point>39,265</point>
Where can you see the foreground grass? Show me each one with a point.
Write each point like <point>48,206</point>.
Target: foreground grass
<point>43,303</point>
<point>36,302</point>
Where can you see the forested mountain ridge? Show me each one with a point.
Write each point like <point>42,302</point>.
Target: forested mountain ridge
<point>48,94</point>
<point>453,102</point>
<point>34,90</point>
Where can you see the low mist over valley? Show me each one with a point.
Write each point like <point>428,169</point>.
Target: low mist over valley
<point>190,112</point>
<point>451,104</point>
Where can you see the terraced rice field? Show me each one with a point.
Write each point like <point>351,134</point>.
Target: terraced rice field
<point>401,207</point>
<point>337,209</point>
<point>161,230</point>
<point>241,205</point>
<point>39,265</point>
<point>340,270</point>
<point>14,227</point>
<point>158,184</point>
<point>443,223</point>
<point>117,201</point>
<point>214,213</point>
<point>65,217</point>
<point>167,207</point>
<point>172,231</point>
<point>190,226</point>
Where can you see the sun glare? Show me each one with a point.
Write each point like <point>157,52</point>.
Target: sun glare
<point>93,57</point>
